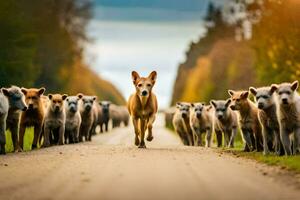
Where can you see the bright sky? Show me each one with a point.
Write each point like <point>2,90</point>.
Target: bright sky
<point>141,39</point>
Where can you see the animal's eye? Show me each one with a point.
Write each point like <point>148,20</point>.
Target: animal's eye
<point>280,93</point>
<point>288,92</point>
<point>238,100</point>
<point>149,85</point>
<point>34,98</point>
<point>140,85</point>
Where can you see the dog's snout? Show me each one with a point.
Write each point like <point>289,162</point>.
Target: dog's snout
<point>260,105</point>
<point>25,108</point>
<point>30,106</point>
<point>184,115</point>
<point>88,108</point>
<point>220,116</point>
<point>198,115</point>
<point>232,107</point>
<point>144,93</point>
<point>284,100</point>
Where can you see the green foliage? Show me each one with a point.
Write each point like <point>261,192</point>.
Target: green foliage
<point>17,46</point>
<point>28,139</point>
<point>41,42</point>
<point>277,43</point>
<point>290,162</point>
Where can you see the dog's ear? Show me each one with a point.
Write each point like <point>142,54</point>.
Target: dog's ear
<point>24,90</point>
<point>79,95</point>
<point>100,103</point>
<point>64,96</point>
<point>50,96</point>
<point>95,98</point>
<point>244,95</point>
<point>230,92</point>
<point>209,107</point>
<point>178,104</point>
<point>274,88</point>
<point>213,103</point>
<point>41,91</point>
<point>152,76</point>
<point>295,85</point>
<point>5,92</point>
<point>135,76</point>
<point>192,104</point>
<point>228,102</point>
<point>253,91</point>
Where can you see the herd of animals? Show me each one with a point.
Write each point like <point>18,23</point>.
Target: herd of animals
<point>270,124</point>
<point>57,119</point>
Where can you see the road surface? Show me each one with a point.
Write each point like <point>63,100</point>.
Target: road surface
<point>111,168</point>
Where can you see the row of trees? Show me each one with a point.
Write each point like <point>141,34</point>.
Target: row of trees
<point>41,42</point>
<point>247,43</point>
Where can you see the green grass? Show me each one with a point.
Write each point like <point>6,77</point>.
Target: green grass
<point>285,162</point>
<point>28,138</point>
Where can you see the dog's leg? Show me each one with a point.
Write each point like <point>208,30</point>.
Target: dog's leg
<point>219,138</point>
<point>143,129</point>
<point>233,134</point>
<point>135,122</point>
<point>284,135</point>
<point>37,133</point>
<point>208,138</point>
<point>265,141</point>
<point>297,140</point>
<point>149,126</point>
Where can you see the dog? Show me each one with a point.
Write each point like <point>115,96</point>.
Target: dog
<point>266,103</point>
<point>250,125</point>
<point>17,104</point>
<point>73,119</point>
<point>225,121</point>
<point>55,120</point>
<point>181,123</point>
<point>201,122</point>
<point>288,113</point>
<point>142,107</point>
<point>104,115</point>
<point>33,116</point>
<point>89,115</point>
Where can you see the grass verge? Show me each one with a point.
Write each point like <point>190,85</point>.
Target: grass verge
<point>285,162</point>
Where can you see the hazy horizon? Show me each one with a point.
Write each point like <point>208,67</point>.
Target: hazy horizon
<point>127,38</point>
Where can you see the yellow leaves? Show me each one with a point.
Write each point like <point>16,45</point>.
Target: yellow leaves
<point>275,65</point>
<point>270,54</point>
<point>198,83</point>
<point>288,62</point>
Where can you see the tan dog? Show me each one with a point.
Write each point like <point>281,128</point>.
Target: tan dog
<point>33,116</point>
<point>250,125</point>
<point>142,107</point>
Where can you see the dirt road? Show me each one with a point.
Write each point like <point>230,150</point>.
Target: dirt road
<point>111,168</point>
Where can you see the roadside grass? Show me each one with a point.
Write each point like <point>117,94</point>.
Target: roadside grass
<point>285,162</point>
<point>28,138</point>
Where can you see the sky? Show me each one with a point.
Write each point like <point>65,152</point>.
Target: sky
<point>143,35</point>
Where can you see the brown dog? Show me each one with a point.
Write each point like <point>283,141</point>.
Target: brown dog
<point>142,107</point>
<point>250,125</point>
<point>33,116</point>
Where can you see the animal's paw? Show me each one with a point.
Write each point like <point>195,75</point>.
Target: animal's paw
<point>45,145</point>
<point>142,145</point>
<point>137,141</point>
<point>149,138</point>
